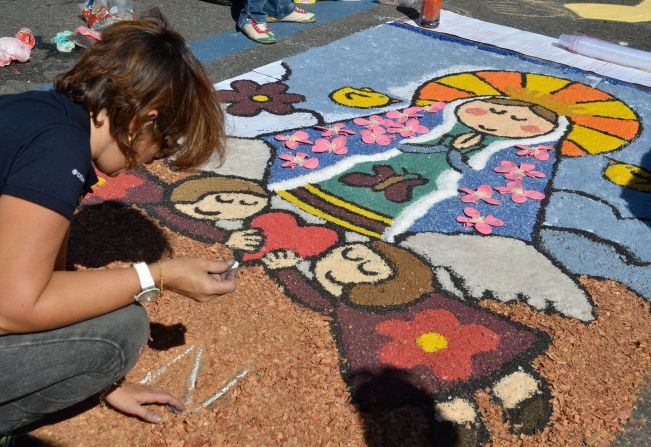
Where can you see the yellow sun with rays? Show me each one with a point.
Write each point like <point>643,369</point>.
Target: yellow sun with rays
<point>599,122</point>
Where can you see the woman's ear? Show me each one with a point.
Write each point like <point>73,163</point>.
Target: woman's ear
<point>151,115</point>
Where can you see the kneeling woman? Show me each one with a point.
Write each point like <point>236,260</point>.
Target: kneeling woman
<point>137,95</point>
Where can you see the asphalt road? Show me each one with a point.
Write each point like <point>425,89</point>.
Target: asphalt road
<point>213,26</point>
<point>210,30</point>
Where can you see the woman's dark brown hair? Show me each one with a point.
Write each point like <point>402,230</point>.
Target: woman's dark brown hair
<point>144,65</point>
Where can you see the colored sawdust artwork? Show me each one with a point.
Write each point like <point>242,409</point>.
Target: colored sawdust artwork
<point>444,243</point>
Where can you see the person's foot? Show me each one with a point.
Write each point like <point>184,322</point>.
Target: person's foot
<point>258,32</point>
<point>297,15</point>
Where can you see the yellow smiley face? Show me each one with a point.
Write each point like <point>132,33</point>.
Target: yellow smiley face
<point>630,176</point>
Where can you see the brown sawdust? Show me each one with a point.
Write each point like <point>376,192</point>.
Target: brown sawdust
<point>594,370</point>
<point>161,170</point>
<point>294,393</point>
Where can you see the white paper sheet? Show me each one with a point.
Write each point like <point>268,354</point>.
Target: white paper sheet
<point>532,44</point>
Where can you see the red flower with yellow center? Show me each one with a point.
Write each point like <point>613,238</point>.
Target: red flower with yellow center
<point>436,339</point>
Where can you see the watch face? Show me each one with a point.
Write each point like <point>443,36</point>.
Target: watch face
<point>148,295</point>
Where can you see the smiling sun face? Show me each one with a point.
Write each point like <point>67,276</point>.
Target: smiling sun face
<point>224,206</point>
<point>508,121</point>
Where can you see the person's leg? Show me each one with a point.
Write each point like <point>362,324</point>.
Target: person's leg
<point>279,8</point>
<point>254,9</point>
<point>44,372</point>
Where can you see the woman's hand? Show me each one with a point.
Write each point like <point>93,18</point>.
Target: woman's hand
<point>132,399</point>
<point>197,278</point>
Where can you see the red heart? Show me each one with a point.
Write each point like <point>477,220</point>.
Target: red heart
<point>282,232</point>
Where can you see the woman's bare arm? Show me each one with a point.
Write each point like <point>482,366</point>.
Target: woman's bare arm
<point>35,297</point>
<point>60,263</point>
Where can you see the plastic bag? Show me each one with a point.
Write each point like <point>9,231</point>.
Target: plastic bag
<point>102,13</point>
<point>17,48</point>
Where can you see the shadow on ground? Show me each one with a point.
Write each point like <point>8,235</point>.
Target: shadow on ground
<point>109,232</point>
<point>394,412</point>
<point>638,192</point>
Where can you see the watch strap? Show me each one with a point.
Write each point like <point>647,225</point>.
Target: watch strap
<point>146,280</point>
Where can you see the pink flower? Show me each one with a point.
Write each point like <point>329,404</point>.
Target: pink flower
<point>538,152</point>
<point>484,192</point>
<point>336,146</point>
<point>512,171</point>
<point>335,129</point>
<point>292,141</point>
<point>434,107</point>
<point>376,135</point>
<point>518,193</point>
<point>300,159</point>
<point>409,129</point>
<point>391,125</point>
<point>372,121</point>
<point>484,225</point>
<point>401,117</point>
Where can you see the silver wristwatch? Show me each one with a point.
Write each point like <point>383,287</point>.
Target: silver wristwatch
<point>148,290</point>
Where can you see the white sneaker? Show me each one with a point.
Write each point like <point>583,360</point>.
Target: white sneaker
<point>258,32</point>
<point>297,15</point>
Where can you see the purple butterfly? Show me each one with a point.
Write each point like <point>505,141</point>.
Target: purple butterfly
<point>396,187</point>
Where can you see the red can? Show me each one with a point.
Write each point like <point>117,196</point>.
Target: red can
<point>25,36</point>
<point>430,13</point>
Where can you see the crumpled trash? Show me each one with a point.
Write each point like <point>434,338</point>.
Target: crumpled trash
<point>104,12</point>
<point>84,31</point>
<point>85,37</point>
<point>82,36</point>
<point>63,41</point>
<point>18,48</point>
<point>26,36</point>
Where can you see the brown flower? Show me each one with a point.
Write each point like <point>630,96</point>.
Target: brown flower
<point>248,98</point>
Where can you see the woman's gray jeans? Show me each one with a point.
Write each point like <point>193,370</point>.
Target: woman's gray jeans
<point>44,372</point>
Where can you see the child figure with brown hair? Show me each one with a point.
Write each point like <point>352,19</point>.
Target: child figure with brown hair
<point>256,13</point>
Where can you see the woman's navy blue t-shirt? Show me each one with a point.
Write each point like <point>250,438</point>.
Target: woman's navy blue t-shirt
<point>45,153</point>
